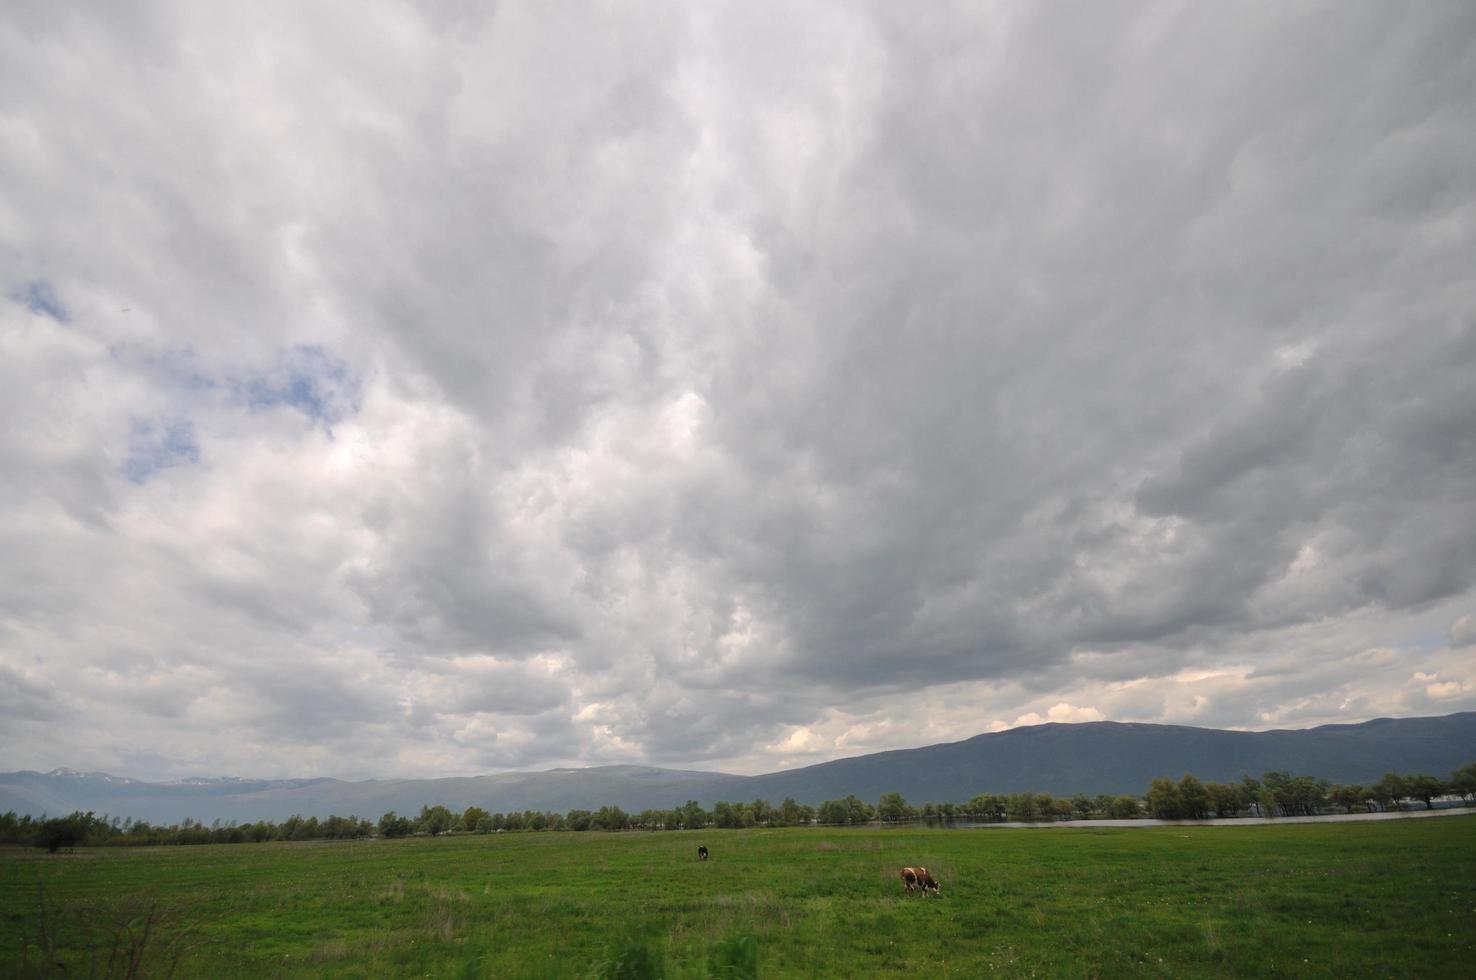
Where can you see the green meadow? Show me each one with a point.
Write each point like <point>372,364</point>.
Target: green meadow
<point>1352,899</point>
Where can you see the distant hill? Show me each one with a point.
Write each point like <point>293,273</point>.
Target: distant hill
<point>1117,757</point>
<point>64,790</point>
<point>1096,757</point>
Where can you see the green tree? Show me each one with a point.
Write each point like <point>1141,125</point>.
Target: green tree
<point>1309,794</point>
<point>726,815</point>
<point>1022,806</point>
<point>1389,790</point>
<point>1163,799</point>
<point>62,832</point>
<point>858,810</point>
<point>1347,796</point>
<point>987,806</point>
<point>1224,799</point>
<point>578,819</point>
<point>1279,785</point>
<point>1296,795</point>
<point>893,807</point>
<point>9,828</point>
<point>341,828</point>
<point>1250,795</point>
<point>394,825</point>
<point>1463,781</point>
<point>1194,799</point>
<point>693,816</point>
<point>435,820</point>
<point>1082,806</point>
<point>611,818</point>
<point>1125,808</point>
<point>1423,786</point>
<point>470,817</point>
<point>835,812</point>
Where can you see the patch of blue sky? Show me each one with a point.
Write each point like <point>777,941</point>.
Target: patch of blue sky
<point>157,445</point>
<point>39,296</point>
<point>310,379</point>
<point>177,369</point>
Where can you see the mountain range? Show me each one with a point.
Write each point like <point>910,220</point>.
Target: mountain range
<point>1093,757</point>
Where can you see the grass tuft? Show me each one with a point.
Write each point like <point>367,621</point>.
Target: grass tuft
<point>734,958</point>
<point>634,956</point>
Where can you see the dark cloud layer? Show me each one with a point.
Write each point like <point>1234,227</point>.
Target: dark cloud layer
<point>404,391</point>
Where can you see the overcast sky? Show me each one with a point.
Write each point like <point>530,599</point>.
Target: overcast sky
<point>416,390</point>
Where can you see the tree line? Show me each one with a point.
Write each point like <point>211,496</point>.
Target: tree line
<point>1275,794</point>
<point>1280,794</point>
<point>89,829</point>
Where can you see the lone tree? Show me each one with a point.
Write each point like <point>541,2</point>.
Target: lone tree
<point>61,832</point>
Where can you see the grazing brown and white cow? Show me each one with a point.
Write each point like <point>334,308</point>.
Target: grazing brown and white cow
<point>915,879</point>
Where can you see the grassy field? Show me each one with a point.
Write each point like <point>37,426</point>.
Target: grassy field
<point>1380,899</point>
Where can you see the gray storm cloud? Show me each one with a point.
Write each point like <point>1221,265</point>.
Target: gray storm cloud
<point>412,391</point>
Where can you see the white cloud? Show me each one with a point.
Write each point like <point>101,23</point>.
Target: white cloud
<point>522,386</point>
<point>1444,690</point>
<point>801,741</point>
<point>1061,712</point>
